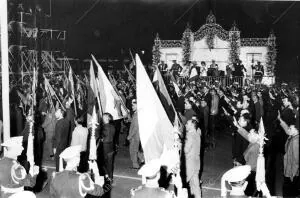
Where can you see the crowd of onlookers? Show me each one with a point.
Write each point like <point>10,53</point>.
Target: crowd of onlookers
<point>207,112</point>
<point>238,110</point>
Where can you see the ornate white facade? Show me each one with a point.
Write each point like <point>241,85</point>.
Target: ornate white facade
<point>212,42</point>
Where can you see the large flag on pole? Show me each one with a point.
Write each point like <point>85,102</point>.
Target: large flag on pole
<point>111,102</point>
<point>155,128</point>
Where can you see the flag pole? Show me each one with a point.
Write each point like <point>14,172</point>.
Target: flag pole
<point>98,98</point>
<point>5,70</point>
<point>73,92</point>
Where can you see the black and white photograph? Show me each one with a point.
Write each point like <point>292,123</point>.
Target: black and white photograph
<point>149,98</point>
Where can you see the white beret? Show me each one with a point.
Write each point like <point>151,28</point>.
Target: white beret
<point>13,142</point>
<point>71,152</point>
<point>150,169</point>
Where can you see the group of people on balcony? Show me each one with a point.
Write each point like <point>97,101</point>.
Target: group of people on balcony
<point>192,69</point>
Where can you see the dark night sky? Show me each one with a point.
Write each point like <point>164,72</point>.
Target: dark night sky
<point>113,25</point>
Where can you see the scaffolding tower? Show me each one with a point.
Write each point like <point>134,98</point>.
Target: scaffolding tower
<point>33,43</point>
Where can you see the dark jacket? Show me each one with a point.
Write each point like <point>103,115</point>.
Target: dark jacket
<point>108,133</point>
<point>60,140</point>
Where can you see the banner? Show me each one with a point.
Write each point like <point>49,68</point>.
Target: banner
<point>110,101</point>
<point>155,128</point>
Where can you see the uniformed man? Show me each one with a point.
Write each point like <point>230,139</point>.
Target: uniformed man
<point>236,177</point>
<point>71,184</point>
<point>13,176</point>
<point>150,173</point>
<point>259,72</point>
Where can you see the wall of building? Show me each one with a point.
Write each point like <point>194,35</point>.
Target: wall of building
<point>220,53</point>
<point>170,54</point>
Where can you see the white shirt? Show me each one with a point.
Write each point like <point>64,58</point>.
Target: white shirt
<point>193,73</point>
<point>79,137</point>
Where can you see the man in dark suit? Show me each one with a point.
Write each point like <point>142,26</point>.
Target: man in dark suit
<point>61,138</point>
<point>175,69</point>
<point>70,117</point>
<point>108,133</point>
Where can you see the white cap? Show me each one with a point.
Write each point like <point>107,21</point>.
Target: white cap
<point>236,174</point>
<point>13,142</point>
<point>244,111</point>
<point>150,169</point>
<point>68,154</point>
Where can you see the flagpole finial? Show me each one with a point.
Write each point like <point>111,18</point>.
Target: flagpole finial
<point>93,147</point>
<point>94,122</point>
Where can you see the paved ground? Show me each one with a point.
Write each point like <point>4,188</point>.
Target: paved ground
<point>216,162</point>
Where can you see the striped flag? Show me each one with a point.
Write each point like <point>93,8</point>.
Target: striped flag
<point>155,128</point>
<point>163,95</point>
<point>92,94</point>
<point>110,101</point>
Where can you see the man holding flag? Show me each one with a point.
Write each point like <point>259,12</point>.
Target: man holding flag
<point>136,155</point>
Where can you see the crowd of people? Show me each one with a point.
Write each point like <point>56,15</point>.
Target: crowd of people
<point>238,111</point>
<point>206,112</point>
